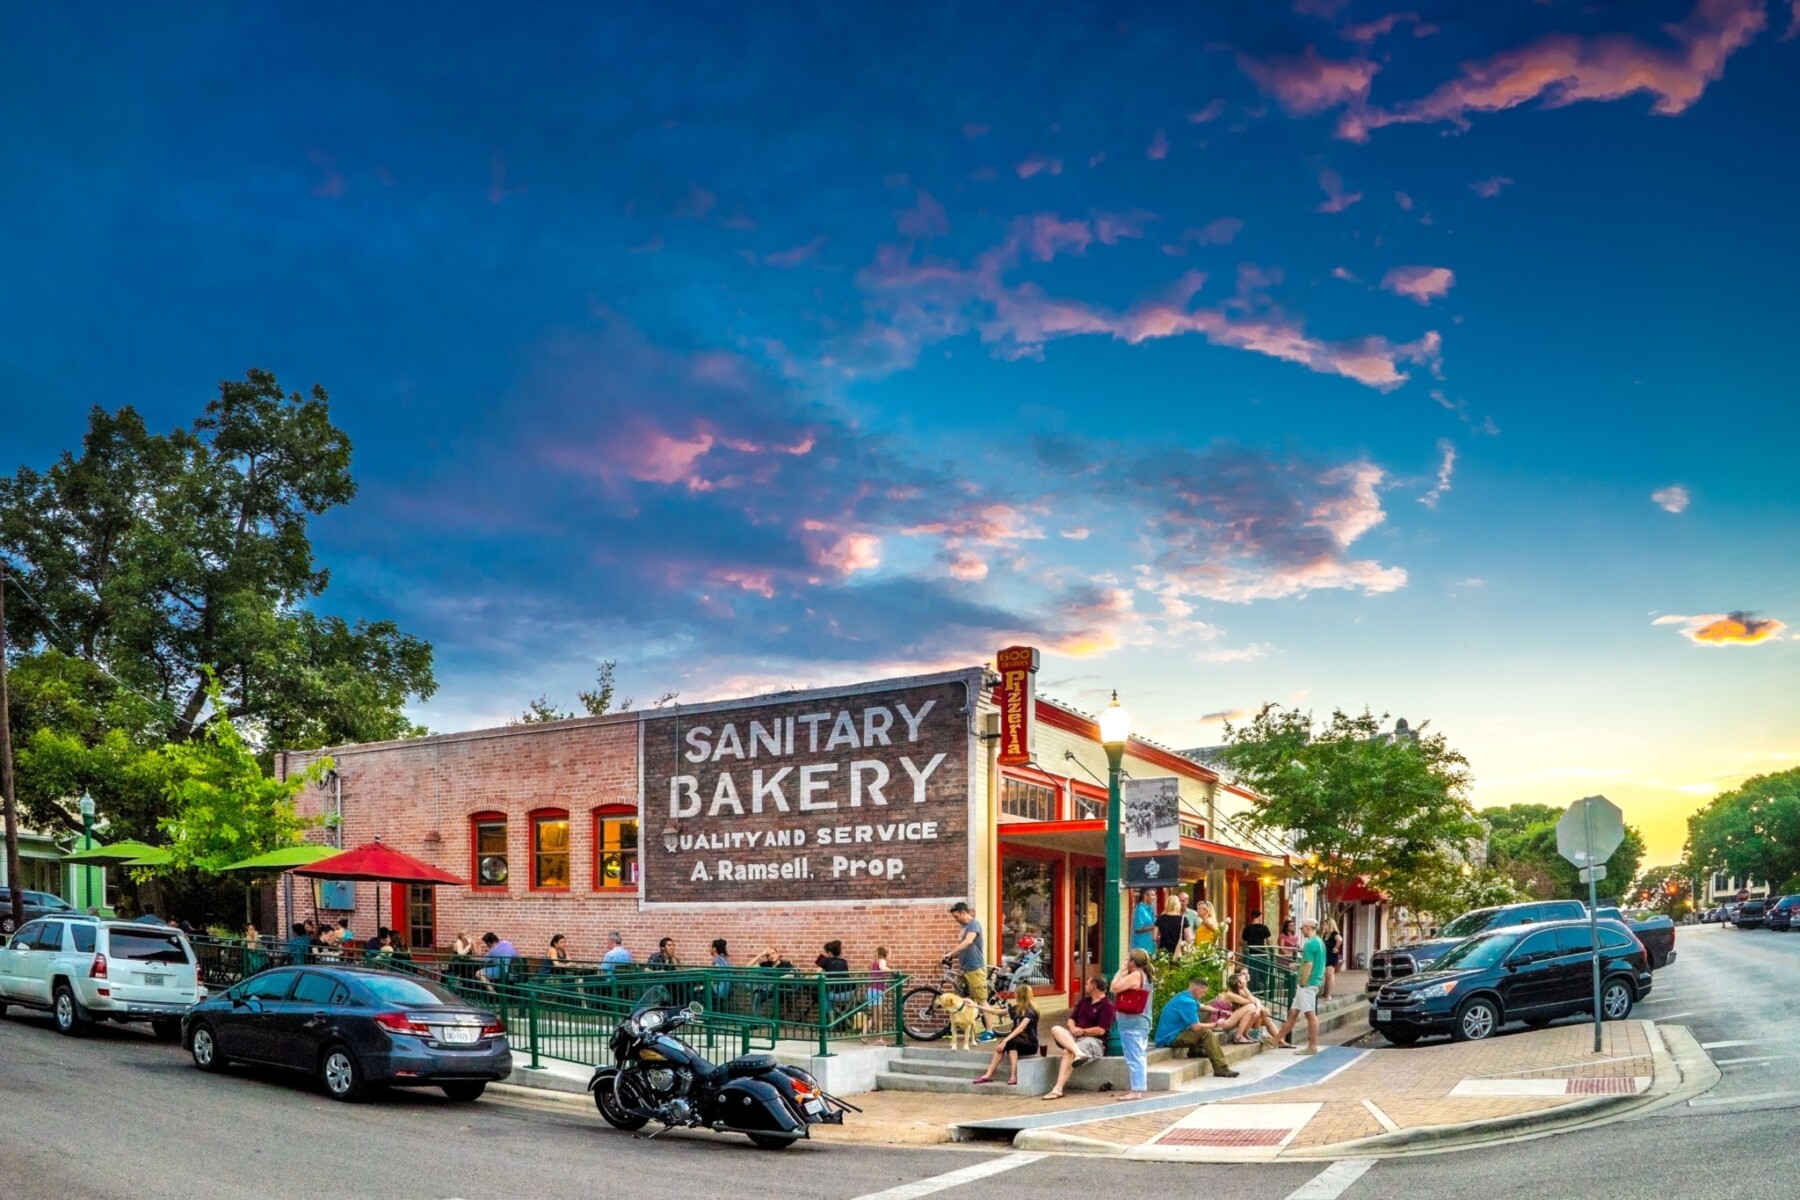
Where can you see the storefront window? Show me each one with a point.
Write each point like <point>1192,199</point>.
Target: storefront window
<point>550,851</point>
<point>1089,808</point>
<point>615,850</point>
<point>1033,801</point>
<point>1028,905</point>
<point>490,851</point>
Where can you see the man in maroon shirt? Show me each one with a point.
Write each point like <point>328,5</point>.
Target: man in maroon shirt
<point>1082,1038</point>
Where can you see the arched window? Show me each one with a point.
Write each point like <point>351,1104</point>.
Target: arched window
<point>615,848</point>
<point>550,850</point>
<point>487,852</point>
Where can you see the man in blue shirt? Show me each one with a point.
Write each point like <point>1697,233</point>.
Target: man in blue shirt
<point>1181,1028</point>
<point>616,953</point>
<point>1143,924</point>
<point>502,952</point>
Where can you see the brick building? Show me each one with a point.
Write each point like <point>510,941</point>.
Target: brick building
<point>858,813</point>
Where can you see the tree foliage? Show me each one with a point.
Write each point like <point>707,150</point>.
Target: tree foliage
<point>1752,831</point>
<point>1522,846</point>
<point>1357,802</point>
<point>1667,889</point>
<point>168,556</point>
<point>597,701</point>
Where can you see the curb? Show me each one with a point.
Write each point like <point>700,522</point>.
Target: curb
<point>537,1097</point>
<point>1065,1143</point>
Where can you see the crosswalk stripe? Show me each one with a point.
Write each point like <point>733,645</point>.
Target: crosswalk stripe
<point>1333,1181</point>
<point>950,1179</point>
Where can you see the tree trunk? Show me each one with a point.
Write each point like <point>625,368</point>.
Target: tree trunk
<point>16,888</point>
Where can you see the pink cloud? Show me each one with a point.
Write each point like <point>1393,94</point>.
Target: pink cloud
<point>851,553</point>
<point>968,566</point>
<point>1096,158</point>
<point>1336,198</point>
<point>1370,30</point>
<point>1726,629</point>
<point>796,255</point>
<point>1672,499</point>
<point>1036,164</point>
<point>1220,231</point>
<point>1215,109</point>
<point>1564,68</point>
<point>1423,284</point>
<point>1487,189</point>
<point>925,219</point>
<point>1159,146</point>
<point>1446,467</point>
<point>1344,274</point>
<point>1404,201</point>
<point>760,582</point>
<point>696,203</point>
<point>1307,83</point>
<point>1793,28</point>
<point>1078,533</point>
<point>739,220</point>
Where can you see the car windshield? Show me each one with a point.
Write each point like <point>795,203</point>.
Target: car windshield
<point>143,944</point>
<point>1470,924</point>
<point>391,989</point>
<point>1478,952</point>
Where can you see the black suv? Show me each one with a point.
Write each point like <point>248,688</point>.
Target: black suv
<point>1402,961</point>
<point>1750,914</point>
<point>37,904</point>
<point>1781,913</point>
<point>1533,975</point>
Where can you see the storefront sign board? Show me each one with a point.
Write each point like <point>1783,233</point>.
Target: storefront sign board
<point>1152,810</point>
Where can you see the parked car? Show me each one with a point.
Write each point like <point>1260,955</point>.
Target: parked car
<point>1534,975</point>
<point>1750,913</point>
<point>1780,916</point>
<point>1656,932</point>
<point>354,1028</point>
<point>1729,917</point>
<point>37,904</point>
<point>83,969</point>
<point>1399,962</point>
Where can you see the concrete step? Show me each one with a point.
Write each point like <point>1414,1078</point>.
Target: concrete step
<point>941,1052</point>
<point>946,1070</point>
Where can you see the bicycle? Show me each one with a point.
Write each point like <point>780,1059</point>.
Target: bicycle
<point>924,1021</point>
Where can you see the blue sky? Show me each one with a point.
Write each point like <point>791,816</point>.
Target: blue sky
<point>1327,354</point>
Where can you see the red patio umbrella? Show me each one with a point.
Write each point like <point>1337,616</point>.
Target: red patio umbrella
<point>376,863</point>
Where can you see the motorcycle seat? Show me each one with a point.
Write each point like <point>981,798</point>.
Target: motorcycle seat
<point>750,1064</point>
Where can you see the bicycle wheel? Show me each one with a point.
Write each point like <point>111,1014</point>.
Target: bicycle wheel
<point>922,1019</point>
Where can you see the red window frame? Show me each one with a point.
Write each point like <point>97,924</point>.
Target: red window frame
<point>601,815</point>
<point>1085,791</point>
<point>532,820</point>
<point>476,821</point>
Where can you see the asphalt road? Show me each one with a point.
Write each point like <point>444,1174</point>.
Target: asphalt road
<point>118,1116</point>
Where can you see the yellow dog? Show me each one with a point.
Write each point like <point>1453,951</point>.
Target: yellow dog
<point>965,1019</point>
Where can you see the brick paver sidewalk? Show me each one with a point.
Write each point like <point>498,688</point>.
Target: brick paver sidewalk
<point>1392,1089</point>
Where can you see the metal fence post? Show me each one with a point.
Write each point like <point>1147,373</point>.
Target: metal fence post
<point>823,1014</point>
<point>531,1025</point>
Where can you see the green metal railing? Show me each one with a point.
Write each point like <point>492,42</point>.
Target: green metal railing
<point>1273,978</point>
<point>569,1010</point>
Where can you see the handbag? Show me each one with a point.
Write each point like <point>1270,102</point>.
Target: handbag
<point>1132,1002</point>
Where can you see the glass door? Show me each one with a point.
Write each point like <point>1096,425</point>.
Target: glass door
<point>1084,925</point>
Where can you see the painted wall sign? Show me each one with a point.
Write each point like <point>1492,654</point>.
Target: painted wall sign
<point>1017,697</point>
<point>1152,812</point>
<point>854,796</point>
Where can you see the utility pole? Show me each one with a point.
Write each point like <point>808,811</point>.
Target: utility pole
<point>6,775</point>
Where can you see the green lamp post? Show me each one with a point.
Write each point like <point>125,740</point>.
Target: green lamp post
<point>1115,728</point>
<point>87,843</point>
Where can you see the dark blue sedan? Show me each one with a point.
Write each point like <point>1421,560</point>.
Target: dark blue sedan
<point>354,1028</point>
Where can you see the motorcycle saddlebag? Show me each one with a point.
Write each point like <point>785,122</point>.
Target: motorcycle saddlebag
<point>755,1106</point>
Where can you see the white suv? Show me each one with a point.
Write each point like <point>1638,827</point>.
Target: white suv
<point>83,969</point>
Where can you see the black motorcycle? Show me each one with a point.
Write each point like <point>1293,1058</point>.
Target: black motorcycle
<point>656,1076</point>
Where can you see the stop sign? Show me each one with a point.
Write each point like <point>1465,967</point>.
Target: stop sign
<point>1590,831</point>
<point>1743,895</point>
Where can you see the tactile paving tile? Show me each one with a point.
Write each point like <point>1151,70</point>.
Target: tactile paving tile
<point>1615,1086</point>
<point>1224,1137</point>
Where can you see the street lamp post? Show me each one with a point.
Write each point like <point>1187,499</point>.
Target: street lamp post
<point>87,842</point>
<point>1115,728</point>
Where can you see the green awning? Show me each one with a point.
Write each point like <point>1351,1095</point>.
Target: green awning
<point>284,859</point>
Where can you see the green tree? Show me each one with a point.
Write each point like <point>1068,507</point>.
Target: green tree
<point>1522,845</point>
<point>168,556</point>
<point>1752,830</point>
<point>597,701</point>
<point>1391,808</point>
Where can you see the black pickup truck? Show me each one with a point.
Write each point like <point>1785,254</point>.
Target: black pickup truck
<point>1398,962</point>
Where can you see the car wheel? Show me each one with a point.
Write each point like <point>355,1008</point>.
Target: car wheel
<point>166,1031</point>
<point>1476,1020</point>
<point>7,925</point>
<point>1615,1000</point>
<point>343,1078</point>
<point>464,1091</point>
<point>1400,1037</point>
<point>205,1049</point>
<point>66,1009</point>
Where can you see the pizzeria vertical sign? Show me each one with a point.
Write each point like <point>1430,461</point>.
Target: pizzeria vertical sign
<point>1016,696</point>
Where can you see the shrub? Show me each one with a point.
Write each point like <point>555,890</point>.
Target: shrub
<point>1173,972</point>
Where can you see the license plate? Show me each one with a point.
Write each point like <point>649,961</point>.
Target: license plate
<point>461,1035</point>
<point>152,980</point>
<point>815,1108</point>
<point>1382,1014</point>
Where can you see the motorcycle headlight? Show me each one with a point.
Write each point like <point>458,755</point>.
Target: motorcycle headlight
<point>650,1020</point>
<point>1437,991</point>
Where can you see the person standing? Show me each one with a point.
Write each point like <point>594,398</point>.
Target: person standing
<point>1287,941</point>
<point>1082,1038</point>
<point>970,957</point>
<point>1143,923</point>
<point>1131,996</point>
<point>1334,955</point>
<point>1171,927</point>
<point>1180,1027</point>
<point>1190,920</point>
<point>1256,934</point>
<point>1206,931</point>
<point>1306,994</point>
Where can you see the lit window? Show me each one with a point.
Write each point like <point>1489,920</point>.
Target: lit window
<point>615,850</point>
<point>550,851</point>
<point>490,851</point>
<point>1033,801</point>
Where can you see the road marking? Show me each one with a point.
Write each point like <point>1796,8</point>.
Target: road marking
<point>1334,1180</point>
<point>1675,1016</point>
<point>1761,1058</point>
<point>950,1179</point>
<point>1385,1121</point>
<point>1759,1098</point>
<point>1728,1045</point>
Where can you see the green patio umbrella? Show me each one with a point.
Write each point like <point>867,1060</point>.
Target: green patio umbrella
<point>118,852</point>
<point>157,856</point>
<point>284,859</point>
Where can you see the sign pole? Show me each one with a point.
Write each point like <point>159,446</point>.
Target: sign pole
<point>1593,920</point>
